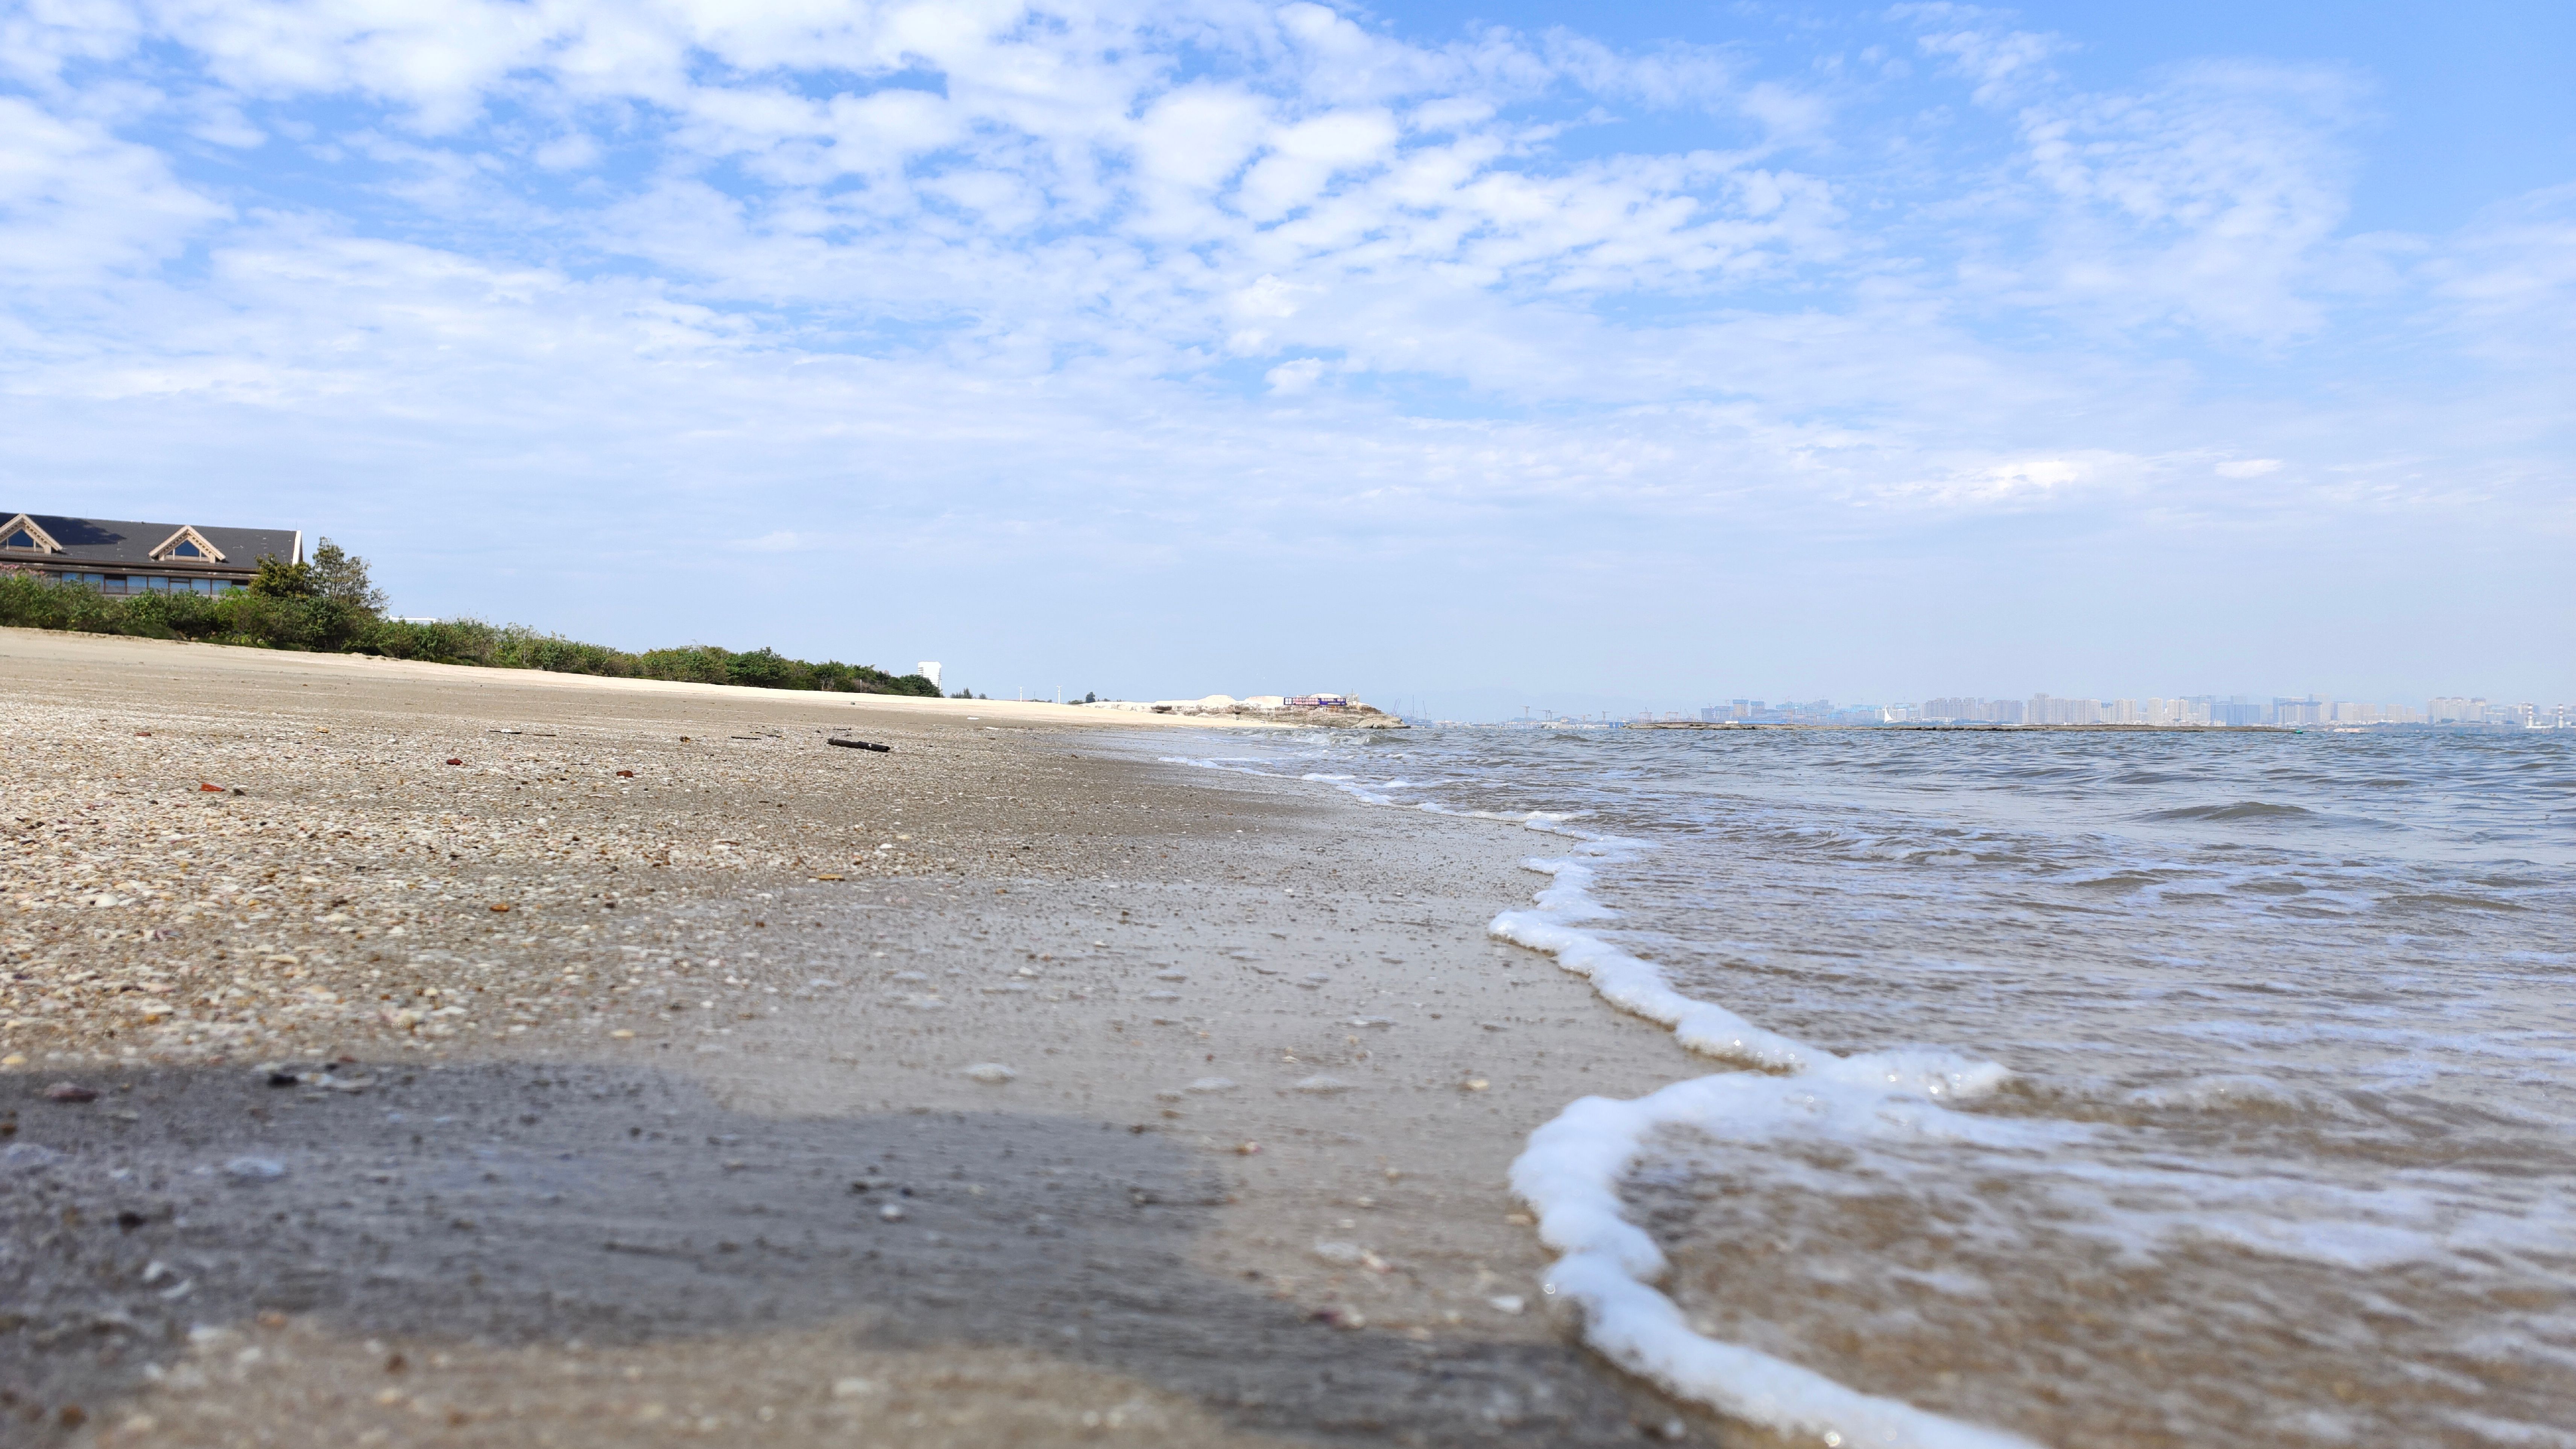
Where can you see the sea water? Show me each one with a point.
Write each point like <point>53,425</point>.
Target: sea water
<point>2082,1089</point>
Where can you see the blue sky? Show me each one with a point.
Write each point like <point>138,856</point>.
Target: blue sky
<point>1482,355</point>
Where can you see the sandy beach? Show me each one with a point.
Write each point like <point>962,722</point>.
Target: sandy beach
<point>657,1070</point>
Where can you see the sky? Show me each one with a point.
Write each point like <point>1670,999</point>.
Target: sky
<point>1470,355</point>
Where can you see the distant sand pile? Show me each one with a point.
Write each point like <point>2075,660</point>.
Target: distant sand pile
<point>1334,712</point>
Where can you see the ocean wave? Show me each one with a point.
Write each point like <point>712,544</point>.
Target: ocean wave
<point>2240,810</point>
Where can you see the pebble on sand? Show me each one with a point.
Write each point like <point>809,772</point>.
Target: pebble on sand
<point>991,1074</point>
<point>28,1157</point>
<point>254,1169</point>
<point>1323,1085</point>
<point>1212,1084</point>
<point>1353,1255</point>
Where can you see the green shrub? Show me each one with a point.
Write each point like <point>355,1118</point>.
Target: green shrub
<point>697,664</point>
<point>516,646</point>
<point>292,606</point>
<point>279,579</point>
<point>446,641</point>
<point>765,668</point>
<point>339,574</point>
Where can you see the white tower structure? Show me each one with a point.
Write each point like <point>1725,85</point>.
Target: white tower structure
<point>928,669</point>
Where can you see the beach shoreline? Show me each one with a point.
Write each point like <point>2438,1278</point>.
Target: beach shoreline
<point>1265,1027</point>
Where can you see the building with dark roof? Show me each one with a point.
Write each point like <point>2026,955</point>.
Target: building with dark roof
<point>117,557</point>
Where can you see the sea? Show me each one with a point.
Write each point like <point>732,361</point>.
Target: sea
<point>2087,1089</point>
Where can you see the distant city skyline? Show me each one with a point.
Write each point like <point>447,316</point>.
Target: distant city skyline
<point>2177,710</point>
<point>2169,710</point>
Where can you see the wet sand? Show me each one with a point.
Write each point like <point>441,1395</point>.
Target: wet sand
<point>686,1142</point>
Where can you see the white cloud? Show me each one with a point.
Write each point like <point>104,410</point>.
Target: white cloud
<point>2508,281</point>
<point>1290,378</point>
<point>2003,62</point>
<point>2209,198</point>
<point>1260,277</point>
<point>1305,157</point>
<point>78,203</point>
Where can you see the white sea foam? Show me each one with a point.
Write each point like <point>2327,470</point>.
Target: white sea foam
<point>1570,1175</point>
<point>1571,1171</point>
<point>1635,985</point>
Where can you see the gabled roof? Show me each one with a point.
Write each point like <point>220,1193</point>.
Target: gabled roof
<point>188,543</point>
<point>31,532</point>
<point>109,543</point>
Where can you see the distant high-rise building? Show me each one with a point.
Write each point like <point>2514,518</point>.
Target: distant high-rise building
<point>2050,710</point>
